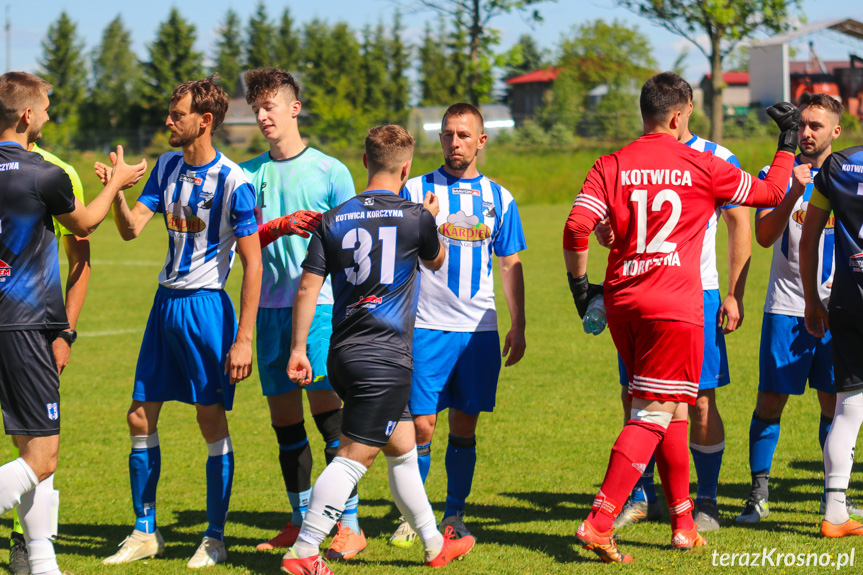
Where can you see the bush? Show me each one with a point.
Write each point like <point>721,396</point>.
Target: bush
<point>159,144</point>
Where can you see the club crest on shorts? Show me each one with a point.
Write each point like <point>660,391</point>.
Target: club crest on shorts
<point>53,411</point>
<point>391,426</point>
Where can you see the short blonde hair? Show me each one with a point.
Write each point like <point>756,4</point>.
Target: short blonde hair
<point>388,148</point>
<point>19,91</point>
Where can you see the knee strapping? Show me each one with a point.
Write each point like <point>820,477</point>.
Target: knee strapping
<point>660,418</point>
<point>462,442</point>
<point>767,420</point>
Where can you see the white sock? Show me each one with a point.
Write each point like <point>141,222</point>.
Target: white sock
<point>327,503</point>
<point>410,497</point>
<point>839,453</point>
<point>35,514</point>
<point>43,561</point>
<point>16,479</point>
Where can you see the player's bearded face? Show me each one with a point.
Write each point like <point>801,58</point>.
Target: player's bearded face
<point>460,139</point>
<point>184,124</point>
<point>816,131</point>
<point>38,119</point>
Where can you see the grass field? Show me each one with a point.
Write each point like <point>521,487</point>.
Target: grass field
<point>542,454</point>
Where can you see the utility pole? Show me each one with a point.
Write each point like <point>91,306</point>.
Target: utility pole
<point>8,41</point>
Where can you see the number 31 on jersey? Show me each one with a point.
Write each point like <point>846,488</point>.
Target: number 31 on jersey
<point>360,241</point>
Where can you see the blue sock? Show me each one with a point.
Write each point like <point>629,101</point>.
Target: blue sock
<point>823,429</point>
<point>145,465</point>
<point>350,517</point>
<point>644,489</point>
<point>763,437</point>
<point>424,460</point>
<point>220,477</point>
<point>299,504</point>
<point>460,465</point>
<point>708,462</point>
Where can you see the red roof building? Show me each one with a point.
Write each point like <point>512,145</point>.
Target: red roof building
<point>527,92</point>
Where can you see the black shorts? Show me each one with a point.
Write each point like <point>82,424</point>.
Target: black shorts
<point>847,332</point>
<point>375,389</point>
<point>29,383</point>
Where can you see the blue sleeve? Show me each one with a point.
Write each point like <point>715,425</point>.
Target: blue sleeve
<point>341,185</point>
<point>152,194</point>
<point>510,236</point>
<point>732,159</point>
<point>243,211</point>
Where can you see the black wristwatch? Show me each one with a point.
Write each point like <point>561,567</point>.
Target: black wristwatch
<point>70,336</point>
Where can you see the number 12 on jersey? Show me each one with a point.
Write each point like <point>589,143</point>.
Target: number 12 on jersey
<point>658,243</point>
<point>360,241</point>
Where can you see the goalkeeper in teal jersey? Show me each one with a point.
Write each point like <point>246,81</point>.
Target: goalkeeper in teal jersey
<point>293,184</point>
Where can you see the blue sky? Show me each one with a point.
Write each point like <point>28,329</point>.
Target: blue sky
<point>29,25</point>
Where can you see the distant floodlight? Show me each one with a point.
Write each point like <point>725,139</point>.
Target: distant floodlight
<point>432,126</point>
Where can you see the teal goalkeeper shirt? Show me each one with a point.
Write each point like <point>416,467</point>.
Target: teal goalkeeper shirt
<point>311,180</point>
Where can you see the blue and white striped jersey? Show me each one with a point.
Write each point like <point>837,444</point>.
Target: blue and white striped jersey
<point>477,217</point>
<point>709,274</point>
<point>785,288</point>
<point>205,208</point>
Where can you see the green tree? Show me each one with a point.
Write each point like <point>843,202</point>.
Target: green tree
<point>437,78</point>
<point>62,64</point>
<point>260,39</point>
<point>374,71</point>
<point>228,62</point>
<point>333,75</point>
<point>526,56</point>
<point>287,43</point>
<point>397,87</point>
<point>116,79</point>
<point>173,60</point>
<point>725,23</point>
<point>594,54</point>
<point>475,17</point>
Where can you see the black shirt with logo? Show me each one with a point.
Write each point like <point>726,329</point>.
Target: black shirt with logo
<point>31,191</point>
<point>370,245</point>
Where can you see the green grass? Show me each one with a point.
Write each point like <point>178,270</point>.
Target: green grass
<point>542,453</point>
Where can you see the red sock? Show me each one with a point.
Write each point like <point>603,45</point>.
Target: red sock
<point>672,461</point>
<point>630,454</point>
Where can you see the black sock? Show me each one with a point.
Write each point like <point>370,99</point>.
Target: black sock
<point>295,457</point>
<point>330,426</point>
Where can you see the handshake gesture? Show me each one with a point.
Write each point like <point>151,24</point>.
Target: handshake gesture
<point>787,117</point>
<point>127,175</point>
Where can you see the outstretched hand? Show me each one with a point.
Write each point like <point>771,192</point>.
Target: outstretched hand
<point>127,175</point>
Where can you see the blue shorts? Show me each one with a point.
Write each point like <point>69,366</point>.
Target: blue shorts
<point>454,369</point>
<point>188,336</point>
<point>714,366</point>
<point>790,356</point>
<point>274,348</point>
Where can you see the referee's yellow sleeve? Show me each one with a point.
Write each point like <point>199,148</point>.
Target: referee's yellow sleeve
<point>818,200</point>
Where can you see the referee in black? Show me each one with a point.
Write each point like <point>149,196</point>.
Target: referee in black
<point>31,299</point>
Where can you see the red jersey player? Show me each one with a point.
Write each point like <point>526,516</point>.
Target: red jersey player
<point>658,195</point>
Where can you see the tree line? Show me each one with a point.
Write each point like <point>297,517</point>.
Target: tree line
<point>350,78</point>
<point>356,78</point>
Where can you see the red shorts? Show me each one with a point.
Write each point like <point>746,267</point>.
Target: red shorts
<point>662,357</point>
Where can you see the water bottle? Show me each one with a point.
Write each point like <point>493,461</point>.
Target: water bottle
<point>594,319</point>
